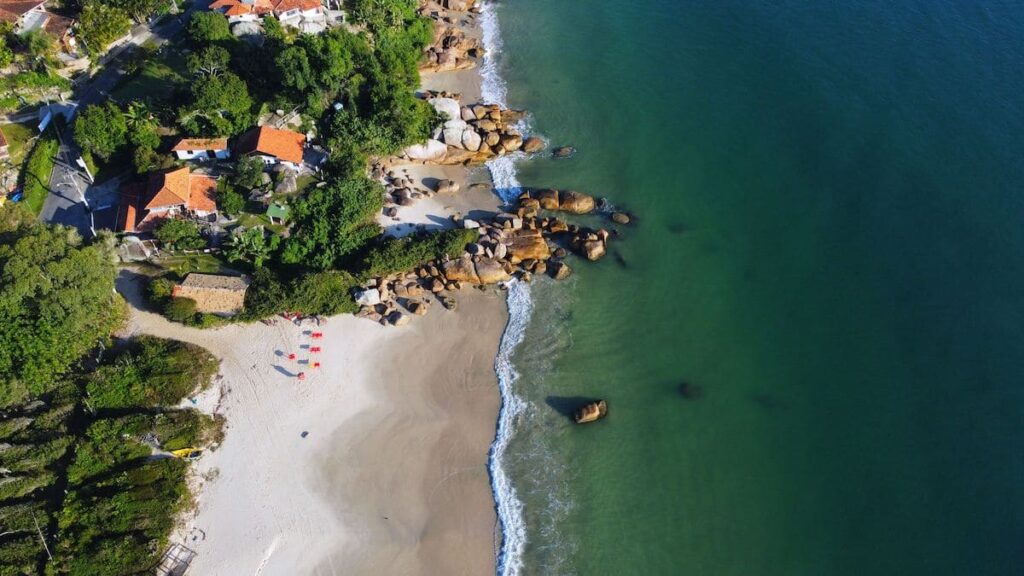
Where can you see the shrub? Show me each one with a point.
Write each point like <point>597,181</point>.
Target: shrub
<point>180,234</point>
<point>398,254</point>
<point>35,176</point>
<point>181,310</point>
<point>326,293</point>
<point>229,199</point>
<point>149,372</point>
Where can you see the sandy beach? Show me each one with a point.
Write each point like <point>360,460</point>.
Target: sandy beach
<point>391,477</point>
<point>376,461</point>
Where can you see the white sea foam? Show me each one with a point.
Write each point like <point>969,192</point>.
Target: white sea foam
<point>520,306</point>
<point>510,508</point>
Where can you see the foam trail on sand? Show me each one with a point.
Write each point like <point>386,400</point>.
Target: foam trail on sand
<point>503,175</point>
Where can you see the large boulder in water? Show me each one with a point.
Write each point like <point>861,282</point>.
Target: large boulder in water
<point>447,107</point>
<point>533,144</point>
<point>575,202</point>
<point>594,250</point>
<point>548,199</point>
<point>430,150</point>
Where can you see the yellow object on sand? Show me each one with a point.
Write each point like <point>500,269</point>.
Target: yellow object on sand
<point>187,453</point>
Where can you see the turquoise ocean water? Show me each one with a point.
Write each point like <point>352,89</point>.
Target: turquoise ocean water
<point>829,244</point>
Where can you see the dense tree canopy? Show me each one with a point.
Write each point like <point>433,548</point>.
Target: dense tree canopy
<point>99,24</point>
<point>333,223</point>
<point>101,129</point>
<point>220,106</point>
<point>57,301</point>
<point>205,27</point>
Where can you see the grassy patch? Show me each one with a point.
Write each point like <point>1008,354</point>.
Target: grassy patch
<point>35,176</point>
<point>156,80</point>
<point>19,136</point>
<point>184,264</point>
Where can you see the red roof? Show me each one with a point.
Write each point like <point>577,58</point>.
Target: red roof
<point>238,10</point>
<point>202,193</point>
<point>281,144</point>
<point>168,189</point>
<point>189,144</point>
<point>11,10</point>
<point>286,5</point>
<point>128,211</point>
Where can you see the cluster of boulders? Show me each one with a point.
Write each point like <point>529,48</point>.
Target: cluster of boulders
<point>521,244</point>
<point>450,50</point>
<point>471,134</point>
<point>400,190</point>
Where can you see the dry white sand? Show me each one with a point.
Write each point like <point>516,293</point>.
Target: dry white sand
<point>435,212</point>
<point>391,478</point>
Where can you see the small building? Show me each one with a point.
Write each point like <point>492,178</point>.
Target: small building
<point>202,149</point>
<point>273,146</point>
<point>306,15</point>
<point>214,293</point>
<point>167,194</point>
<point>278,213</point>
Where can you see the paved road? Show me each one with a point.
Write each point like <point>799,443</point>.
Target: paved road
<point>69,185</point>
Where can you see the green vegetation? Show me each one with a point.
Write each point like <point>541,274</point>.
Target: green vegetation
<point>397,254</point>
<point>56,301</point>
<point>328,293</point>
<point>121,503</point>
<point>150,372</point>
<point>333,223</point>
<point>179,234</point>
<point>156,79</point>
<point>252,246</point>
<point>75,466</point>
<point>220,106</point>
<point>101,129</point>
<point>100,24</point>
<point>35,174</point>
<point>18,138</point>
<point>207,27</point>
<point>229,199</point>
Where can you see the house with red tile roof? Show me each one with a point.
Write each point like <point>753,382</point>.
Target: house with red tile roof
<point>202,149</point>
<point>29,15</point>
<point>306,15</point>
<point>167,194</point>
<point>272,145</point>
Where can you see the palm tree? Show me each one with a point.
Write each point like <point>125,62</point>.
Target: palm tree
<point>137,115</point>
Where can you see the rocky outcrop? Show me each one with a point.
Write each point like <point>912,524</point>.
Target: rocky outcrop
<point>429,151</point>
<point>565,200</point>
<point>533,144</point>
<point>506,245</point>
<point>575,202</point>
<point>527,245</point>
<point>451,48</point>
<point>471,134</point>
